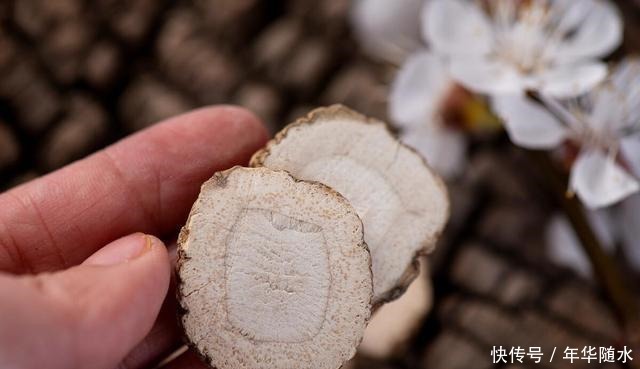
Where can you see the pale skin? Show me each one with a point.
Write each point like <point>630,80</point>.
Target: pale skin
<point>84,276</point>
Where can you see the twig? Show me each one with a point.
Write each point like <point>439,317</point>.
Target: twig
<point>603,265</point>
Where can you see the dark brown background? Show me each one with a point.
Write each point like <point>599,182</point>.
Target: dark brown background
<point>77,75</point>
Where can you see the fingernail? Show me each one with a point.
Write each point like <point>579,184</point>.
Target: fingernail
<point>123,250</point>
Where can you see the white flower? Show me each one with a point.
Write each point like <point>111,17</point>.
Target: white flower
<point>387,29</point>
<point>629,223</point>
<point>604,123</point>
<point>391,30</point>
<point>509,46</point>
<point>564,247</point>
<point>615,225</point>
<point>415,105</point>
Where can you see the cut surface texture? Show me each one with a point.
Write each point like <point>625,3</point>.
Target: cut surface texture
<point>404,206</point>
<point>273,273</point>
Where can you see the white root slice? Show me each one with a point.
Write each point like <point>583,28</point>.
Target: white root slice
<point>273,273</point>
<point>393,325</point>
<point>403,204</point>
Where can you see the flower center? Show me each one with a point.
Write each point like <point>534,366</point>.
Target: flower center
<point>528,33</point>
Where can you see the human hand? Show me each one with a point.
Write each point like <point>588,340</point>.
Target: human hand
<point>69,301</point>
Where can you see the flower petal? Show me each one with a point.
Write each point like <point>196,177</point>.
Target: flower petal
<point>615,103</point>
<point>567,81</point>
<point>599,33</point>
<point>456,27</point>
<point>630,150</point>
<point>630,229</point>
<point>599,181</point>
<point>444,149</point>
<point>625,83</point>
<point>488,76</point>
<point>563,247</point>
<point>625,76</point>
<point>418,90</point>
<point>387,29</point>
<point>604,226</point>
<point>528,124</point>
<point>607,112</point>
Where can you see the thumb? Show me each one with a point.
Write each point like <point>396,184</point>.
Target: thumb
<point>89,316</point>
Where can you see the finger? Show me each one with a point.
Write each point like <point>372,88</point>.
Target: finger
<point>146,183</point>
<point>89,316</point>
<point>165,336</point>
<point>188,360</point>
<point>163,339</point>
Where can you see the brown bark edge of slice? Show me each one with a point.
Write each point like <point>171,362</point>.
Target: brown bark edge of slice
<point>360,250</point>
<point>341,111</point>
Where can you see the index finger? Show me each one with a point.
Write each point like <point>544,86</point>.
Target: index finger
<point>145,183</point>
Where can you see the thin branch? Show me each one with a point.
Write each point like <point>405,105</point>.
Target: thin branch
<point>618,292</point>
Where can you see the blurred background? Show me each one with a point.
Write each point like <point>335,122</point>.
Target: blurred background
<point>76,75</point>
